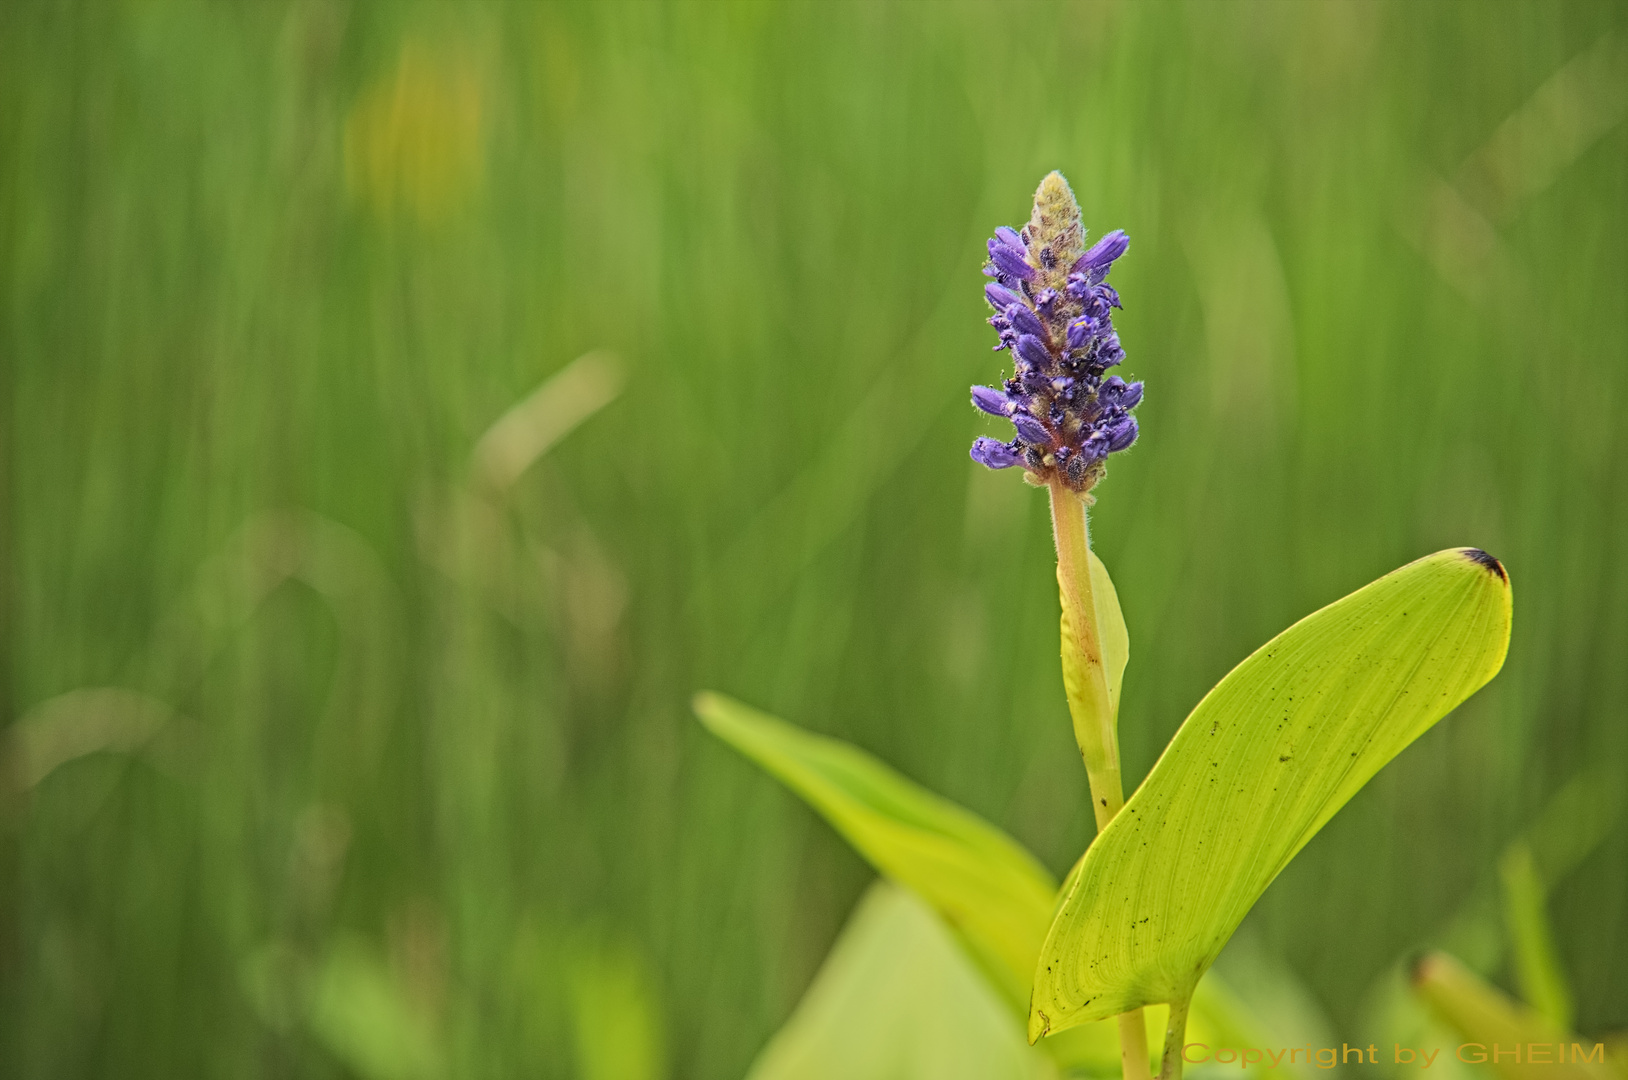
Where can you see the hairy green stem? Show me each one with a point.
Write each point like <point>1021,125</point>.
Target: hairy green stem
<point>1095,725</point>
<point>1095,728</point>
<point>1175,1030</point>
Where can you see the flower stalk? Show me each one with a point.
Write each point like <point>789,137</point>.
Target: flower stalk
<point>1096,728</point>
<point>1054,312</point>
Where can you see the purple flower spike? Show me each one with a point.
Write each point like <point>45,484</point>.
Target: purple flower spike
<point>1024,320</point>
<point>1031,430</point>
<point>992,401</point>
<point>1102,254</point>
<point>994,454</point>
<point>1055,312</point>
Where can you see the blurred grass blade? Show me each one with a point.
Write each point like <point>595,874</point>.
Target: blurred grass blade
<point>616,1016</point>
<point>1487,1020</point>
<point>897,1000</point>
<point>1573,109</point>
<point>545,416</point>
<point>980,880</point>
<point>1580,816</point>
<point>85,721</point>
<point>1116,642</point>
<point>1262,763</point>
<point>1575,821</point>
<point>1537,963</point>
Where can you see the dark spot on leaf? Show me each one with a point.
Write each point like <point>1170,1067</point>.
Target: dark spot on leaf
<point>1485,561</point>
<point>1283,757</point>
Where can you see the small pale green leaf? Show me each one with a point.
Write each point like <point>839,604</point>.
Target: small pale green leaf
<point>1262,763</point>
<point>981,881</point>
<point>1116,641</point>
<point>898,1000</point>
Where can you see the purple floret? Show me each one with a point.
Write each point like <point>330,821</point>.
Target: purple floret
<point>995,455</point>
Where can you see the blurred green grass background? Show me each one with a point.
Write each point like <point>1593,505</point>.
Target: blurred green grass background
<point>340,749</point>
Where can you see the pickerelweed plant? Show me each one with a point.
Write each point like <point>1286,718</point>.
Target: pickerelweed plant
<point>1260,765</point>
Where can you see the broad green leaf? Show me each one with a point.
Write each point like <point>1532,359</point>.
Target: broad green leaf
<point>981,881</point>
<point>1262,763</point>
<point>897,999</point>
<point>984,885</point>
<point>1484,1017</point>
<point>1116,641</point>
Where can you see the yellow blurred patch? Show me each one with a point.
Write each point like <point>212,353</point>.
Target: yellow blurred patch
<point>415,139</point>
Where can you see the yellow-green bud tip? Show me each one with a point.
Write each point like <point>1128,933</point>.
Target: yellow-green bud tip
<point>1056,226</point>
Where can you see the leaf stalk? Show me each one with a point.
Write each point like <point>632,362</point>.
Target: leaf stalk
<point>1175,1032</point>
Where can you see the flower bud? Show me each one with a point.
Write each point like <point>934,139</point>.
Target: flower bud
<point>1010,263</point>
<point>1000,298</point>
<point>1024,320</point>
<point>993,454</point>
<point>1030,430</point>
<point>1101,255</point>
<point>1033,350</point>
<point>1122,434</point>
<point>992,401</point>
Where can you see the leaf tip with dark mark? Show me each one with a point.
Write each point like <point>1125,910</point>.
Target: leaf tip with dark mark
<point>1485,561</point>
